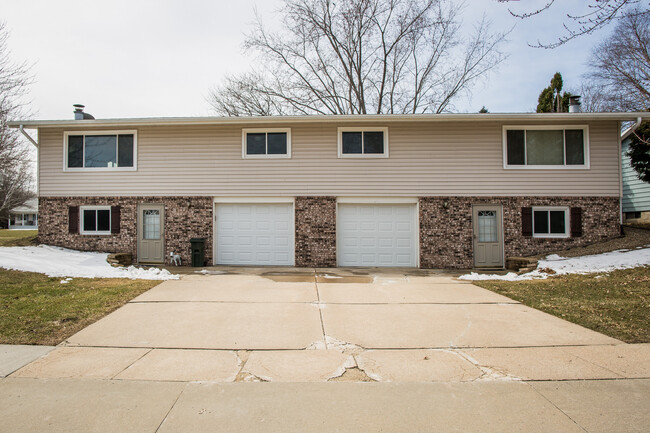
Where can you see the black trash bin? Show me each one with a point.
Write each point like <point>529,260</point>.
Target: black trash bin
<point>198,252</point>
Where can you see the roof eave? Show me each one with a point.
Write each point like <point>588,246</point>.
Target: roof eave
<point>374,118</point>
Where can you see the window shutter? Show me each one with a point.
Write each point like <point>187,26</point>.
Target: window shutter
<point>576,222</point>
<point>527,221</point>
<point>73,219</point>
<point>115,219</point>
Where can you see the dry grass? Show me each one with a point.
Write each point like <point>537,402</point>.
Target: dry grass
<point>17,238</point>
<point>36,309</point>
<point>616,304</point>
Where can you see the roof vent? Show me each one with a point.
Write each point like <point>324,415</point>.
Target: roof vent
<point>79,113</point>
<point>574,104</point>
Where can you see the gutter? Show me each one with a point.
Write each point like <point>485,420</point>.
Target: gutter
<point>631,129</point>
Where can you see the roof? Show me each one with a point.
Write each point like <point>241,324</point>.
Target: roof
<point>370,118</point>
<point>30,206</point>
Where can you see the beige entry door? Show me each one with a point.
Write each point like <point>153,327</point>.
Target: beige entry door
<point>488,236</point>
<point>151,233</point>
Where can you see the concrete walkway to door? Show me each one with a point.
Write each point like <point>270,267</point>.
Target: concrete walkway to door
<point>298,325</point>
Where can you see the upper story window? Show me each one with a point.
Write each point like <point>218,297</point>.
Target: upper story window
<point>266,143</point>
<point>363,142</point>
<point>544,147</point>
<point>100,150</point>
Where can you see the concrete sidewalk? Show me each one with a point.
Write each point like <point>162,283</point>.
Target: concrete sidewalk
<point>96,406</point>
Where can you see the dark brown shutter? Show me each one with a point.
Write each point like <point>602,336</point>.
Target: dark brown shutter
<point>73,219</point>
<point>527,221</point>
<point>576,222</point>
<point>115,219</point>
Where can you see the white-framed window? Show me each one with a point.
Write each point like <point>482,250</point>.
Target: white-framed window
<point>551,222</point>
<point>362,142</point>
<point>95,220</point>
<point>546,147</point>
<point>100,150</point>
<point>266,143</point>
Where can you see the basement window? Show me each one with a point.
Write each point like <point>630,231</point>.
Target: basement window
<point>95,220</point>
<point>542,147</point>
<point>100,150</point>
<point>550,222</point>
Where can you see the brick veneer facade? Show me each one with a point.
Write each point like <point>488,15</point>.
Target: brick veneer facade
<point>445,226</point>
<point>315,231</point>
<point>446,229</point>
<point>185,218</point>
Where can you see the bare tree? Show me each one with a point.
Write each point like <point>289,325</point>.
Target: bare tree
<point>599,14</point>
<point>360,57</point>
<point>620,66</point>
<point>15,169</point>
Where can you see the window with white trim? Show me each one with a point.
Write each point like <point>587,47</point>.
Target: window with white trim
<point>95,220</point>
<point>551,222</point>
<point>546,147</point>
<point>100,150</point>
<point>363,142</point>
<point>266,143</point>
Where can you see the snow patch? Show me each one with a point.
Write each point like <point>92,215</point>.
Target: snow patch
<point>596,263</point>
<point>62,262</point>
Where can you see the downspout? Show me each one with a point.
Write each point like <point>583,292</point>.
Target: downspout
<point>623,136</point>
<point>631,129</point>
<point>38,156</point>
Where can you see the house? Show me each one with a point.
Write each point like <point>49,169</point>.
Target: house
<point>429,191</point>
<point>24,217</point>
<point>636,193</point>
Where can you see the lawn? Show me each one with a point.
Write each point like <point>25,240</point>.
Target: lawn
<point>17,238</point>
<point>616,304</point>
<point>36,309</point>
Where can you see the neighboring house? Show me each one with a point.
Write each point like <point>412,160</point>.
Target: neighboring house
<point>636,193</point>
<point>430,191</point>
<point>24,217</point>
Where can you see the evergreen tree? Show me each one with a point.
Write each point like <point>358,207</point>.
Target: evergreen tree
<point>550,100</point>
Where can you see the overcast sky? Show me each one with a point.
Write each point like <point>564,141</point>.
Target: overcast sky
<point>144,58</point>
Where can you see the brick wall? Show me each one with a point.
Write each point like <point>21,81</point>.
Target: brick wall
<point>315,232</point>
<point>185,218</point>
<point>446,230</point>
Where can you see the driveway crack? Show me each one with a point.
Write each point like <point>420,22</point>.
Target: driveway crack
<point>320,310</point>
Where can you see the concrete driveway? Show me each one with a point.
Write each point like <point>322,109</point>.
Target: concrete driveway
<point>318,325</point>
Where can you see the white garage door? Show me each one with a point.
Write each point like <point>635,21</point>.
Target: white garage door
<point>377,235</point>
<point>254,234</point>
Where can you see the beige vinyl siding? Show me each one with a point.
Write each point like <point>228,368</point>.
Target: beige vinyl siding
<point>426,159</point>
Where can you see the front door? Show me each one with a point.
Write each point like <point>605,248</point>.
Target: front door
<point>488,236</point>
<point>151,228</point>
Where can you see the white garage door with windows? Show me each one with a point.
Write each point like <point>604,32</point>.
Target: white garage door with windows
<point>377,235</point>
<point>254,234</point>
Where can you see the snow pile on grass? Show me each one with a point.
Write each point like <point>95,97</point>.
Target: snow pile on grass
<point>61,262</point>
<point>606,262</point>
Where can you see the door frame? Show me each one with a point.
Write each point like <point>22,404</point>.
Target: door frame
<point>381,201</point>
<point>252,200</point>
<point>140,208</point>
<point>475,209</point>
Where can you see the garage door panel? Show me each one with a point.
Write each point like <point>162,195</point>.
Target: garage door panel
<point>377,235</point>
<point>254,234</point>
